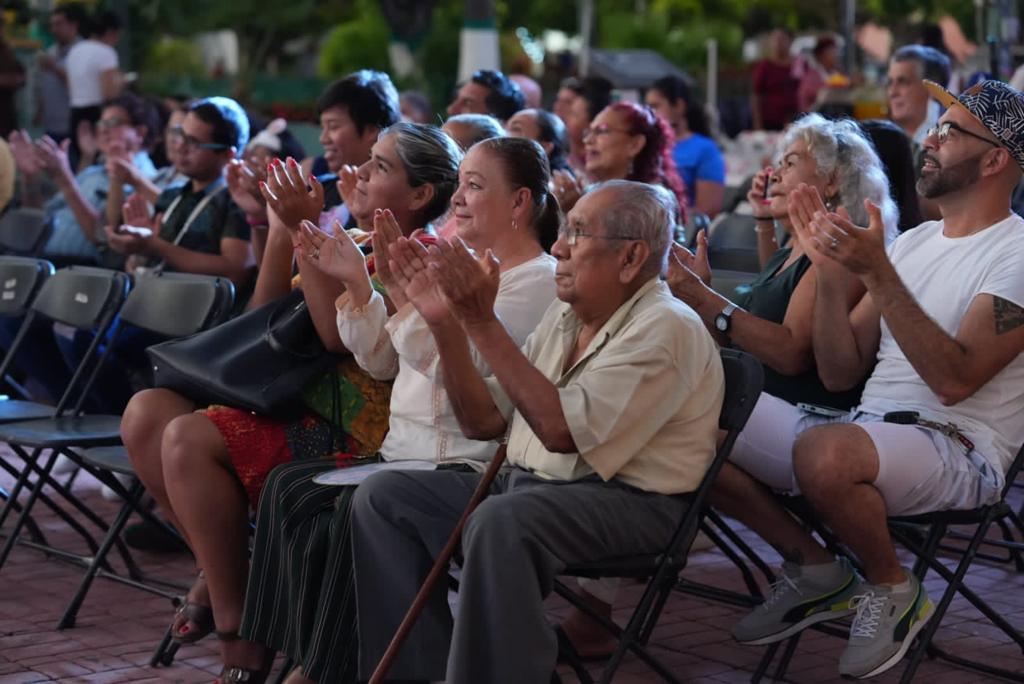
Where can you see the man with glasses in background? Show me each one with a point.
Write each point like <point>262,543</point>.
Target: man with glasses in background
<point>197,228</point>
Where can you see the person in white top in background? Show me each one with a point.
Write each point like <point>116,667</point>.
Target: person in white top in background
<point>943,411</point>
<point>504,211</point>
<point>93,76</point>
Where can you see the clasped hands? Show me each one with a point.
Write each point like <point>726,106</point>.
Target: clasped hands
<point>446,282</point>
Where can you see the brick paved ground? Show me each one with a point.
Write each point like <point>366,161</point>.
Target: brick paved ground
<point>118,626</point>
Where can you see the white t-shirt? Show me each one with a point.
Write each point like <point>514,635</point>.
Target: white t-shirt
<point>86,62</point>
<point>945,275</point>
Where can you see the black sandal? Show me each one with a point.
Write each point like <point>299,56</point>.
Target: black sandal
<point>199,615</point>
<point>233,674</point>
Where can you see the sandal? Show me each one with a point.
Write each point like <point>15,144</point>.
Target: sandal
<point>199,615</point>
<point>233,674</point>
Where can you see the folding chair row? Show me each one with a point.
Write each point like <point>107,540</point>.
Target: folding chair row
<point>90,299</point>
<point>744,378</point>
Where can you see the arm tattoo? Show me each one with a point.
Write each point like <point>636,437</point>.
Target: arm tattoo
<point>1009,316</point>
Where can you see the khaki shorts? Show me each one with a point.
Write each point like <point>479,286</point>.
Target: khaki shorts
<point>919,470</point>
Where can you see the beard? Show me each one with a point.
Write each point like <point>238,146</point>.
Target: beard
<point>946,179</point>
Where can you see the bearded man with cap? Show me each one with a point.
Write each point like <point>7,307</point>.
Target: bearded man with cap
<point>942,413</point>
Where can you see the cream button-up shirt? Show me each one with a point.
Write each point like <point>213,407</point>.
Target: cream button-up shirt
<point>642,403</point>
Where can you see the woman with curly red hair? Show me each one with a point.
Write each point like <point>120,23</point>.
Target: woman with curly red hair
<point>625,141</point>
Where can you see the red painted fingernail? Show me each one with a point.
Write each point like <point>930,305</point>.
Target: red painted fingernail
<point>312,178</point>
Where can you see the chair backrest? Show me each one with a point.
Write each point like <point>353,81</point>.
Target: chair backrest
<point>1015,469</point>
<point>82,297</point>
<point>23,231</point>
<point>20,280</point>
<point>744,379</point>
<point>695,222</point>
<point>178,304</point>
<point>732,243</point>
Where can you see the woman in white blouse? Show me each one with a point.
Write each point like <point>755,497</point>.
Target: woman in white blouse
<point>300,598</point>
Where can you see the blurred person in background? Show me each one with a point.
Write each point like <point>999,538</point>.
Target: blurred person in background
<point>773,101</point>
<point>94,76</point>
<point>699,161</point>
<point>592,94</point>
<point>487,92</point>
<point>823,64</point>
<point>546,129</point>
<point>53,110</point>
<point>415,107</point>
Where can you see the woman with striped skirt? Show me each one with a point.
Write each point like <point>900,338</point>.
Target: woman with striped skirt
<point>301,596</point>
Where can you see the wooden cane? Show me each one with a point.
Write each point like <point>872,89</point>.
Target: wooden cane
<point>439,569</point>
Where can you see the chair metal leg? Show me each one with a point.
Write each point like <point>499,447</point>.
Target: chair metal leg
<point>19,523</point>
<point>165,651</point>
<point>787,656</point>
<point>766,662</point>
<point>71,612</point>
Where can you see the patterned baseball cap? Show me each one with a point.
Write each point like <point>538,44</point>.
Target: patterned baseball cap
<point>996,106</point>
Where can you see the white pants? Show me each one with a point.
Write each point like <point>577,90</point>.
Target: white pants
<point>919,470</point>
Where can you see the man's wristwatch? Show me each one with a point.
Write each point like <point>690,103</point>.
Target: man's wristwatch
<point>723,321</point>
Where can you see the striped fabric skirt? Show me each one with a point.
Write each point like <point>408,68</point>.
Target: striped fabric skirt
<point>301,596</point>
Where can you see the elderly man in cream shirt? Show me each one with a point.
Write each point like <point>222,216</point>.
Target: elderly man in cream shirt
<point>610,408</point>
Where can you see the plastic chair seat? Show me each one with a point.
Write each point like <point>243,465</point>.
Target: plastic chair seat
<point>14,410</point>
<point>64,431</point>
<point>112,458</point>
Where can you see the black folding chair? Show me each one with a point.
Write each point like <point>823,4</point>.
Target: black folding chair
<point>82,298</point>
<point>907,531</point>
<point>170,305</point>
<point>744,378</point>
<point>23,231</point>
<point>732,244</point>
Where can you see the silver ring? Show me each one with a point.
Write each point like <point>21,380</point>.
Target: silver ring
<point>834,242</point>
<point>315,254</point>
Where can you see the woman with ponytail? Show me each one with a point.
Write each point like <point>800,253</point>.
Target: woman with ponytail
<point>626,141</point>
<point>301,587</point>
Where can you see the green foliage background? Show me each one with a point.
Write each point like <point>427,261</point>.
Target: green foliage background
<point>354,33</point>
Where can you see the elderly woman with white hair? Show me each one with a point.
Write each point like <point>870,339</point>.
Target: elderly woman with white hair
<point>772,320</point>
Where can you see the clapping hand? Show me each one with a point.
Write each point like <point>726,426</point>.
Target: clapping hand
<point>567,189</point>
<point>685,277</point>
<point>409,269</point>
<point>348,176</point>
<point>287,195</point>
<point>26,157</point>
<point>386,232</point>
<point>243,184</point>
<point>469,285</point>
<point>336,255</point>
<point>832,242</point>
<point>54,157</point>
<point>135,212</point>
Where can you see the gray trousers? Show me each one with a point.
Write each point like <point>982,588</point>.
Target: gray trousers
<point>513,546</point>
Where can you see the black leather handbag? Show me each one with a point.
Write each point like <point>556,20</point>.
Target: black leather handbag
<point>261,361</point>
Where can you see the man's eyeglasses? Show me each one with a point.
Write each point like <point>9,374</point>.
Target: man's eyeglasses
<point>194,143</point>
<point>572,235</point>
<point>941,132</point>
<point>600,131</point>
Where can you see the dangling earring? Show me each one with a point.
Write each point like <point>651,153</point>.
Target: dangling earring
<point>831,204</point>
<point>629,171</point>
<point>514,225</point>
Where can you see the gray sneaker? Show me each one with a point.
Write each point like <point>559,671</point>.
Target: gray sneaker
<point>884,628</point>
<point>794,603</point>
